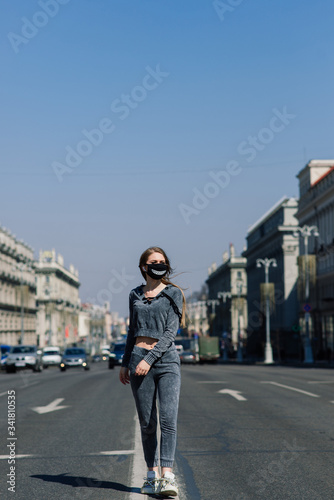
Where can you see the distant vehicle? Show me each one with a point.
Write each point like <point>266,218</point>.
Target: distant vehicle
<point>96,358</point>
<point>51,356</point>
<point>187,344</point>
<point>24,356</point>
<point>209,349</point>
<point>4,348</point>
<point>116,354</point>
<point>188,357</point>
<point>74,357</point>
<point>179,348</point>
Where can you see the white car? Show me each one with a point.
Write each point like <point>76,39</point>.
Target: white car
<point>24,356</point>
<point>51,356</point>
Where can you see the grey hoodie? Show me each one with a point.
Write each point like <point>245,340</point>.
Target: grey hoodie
<point>158,318</point>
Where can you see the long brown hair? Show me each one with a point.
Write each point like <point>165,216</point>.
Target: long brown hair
<point>165,280</point>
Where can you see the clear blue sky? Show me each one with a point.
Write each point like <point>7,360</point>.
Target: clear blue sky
<point>222,77</point>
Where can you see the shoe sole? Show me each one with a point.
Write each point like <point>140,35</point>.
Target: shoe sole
<point>168,493</point>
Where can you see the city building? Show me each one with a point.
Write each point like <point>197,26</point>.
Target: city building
<point>198,317</point>
<point>227,299</point>
<point>272,237</point>
<point>316,208</point>
<point>58,300</point>
<point>17,291</point>
<point>99,327</point>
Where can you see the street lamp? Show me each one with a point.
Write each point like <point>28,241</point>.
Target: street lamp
<point>239,285</point>
<point>306,232</point>
<point>213,303</point>
<point>267,263</point>
<point>224,296</point>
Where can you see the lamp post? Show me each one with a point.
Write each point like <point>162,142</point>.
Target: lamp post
<point>224,296</point>
<point>268,359</point>
<point>306,232</point>
<point>239,285</point>
<point>213,303</point>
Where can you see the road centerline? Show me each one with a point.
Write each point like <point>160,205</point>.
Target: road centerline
<point>291,388</point>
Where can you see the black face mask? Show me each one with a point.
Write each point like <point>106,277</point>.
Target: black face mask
<point>157,271</point>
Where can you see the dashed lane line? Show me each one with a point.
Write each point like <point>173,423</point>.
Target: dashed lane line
<point>292,389</point>
<point>321,382</point>
<point>110,453</point>
<point>212,382</point>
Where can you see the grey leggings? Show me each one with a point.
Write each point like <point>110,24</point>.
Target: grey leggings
<point>163,380</point>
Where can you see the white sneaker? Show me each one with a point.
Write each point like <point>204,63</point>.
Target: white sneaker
<point>151,483</point>
<point>168,486</point>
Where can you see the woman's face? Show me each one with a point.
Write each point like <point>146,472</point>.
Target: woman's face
<point>155,258</point>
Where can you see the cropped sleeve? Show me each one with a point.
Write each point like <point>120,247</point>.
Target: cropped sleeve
<point>130,340</point>
<point>171,328</point>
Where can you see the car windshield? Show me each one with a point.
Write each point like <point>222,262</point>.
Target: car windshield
<point>75,351</point>
<point>50,353</point>
<point>22,349</point>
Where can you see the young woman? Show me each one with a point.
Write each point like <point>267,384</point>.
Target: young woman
<point>151,365</point>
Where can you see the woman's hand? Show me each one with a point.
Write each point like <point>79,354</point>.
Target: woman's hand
<point>124,375</point>
<point>142,368</point>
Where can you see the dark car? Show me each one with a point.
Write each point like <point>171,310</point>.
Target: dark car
<point>4,348</point>
<point>24,356</point>
<point>188,357</point>
<point>96,358</point>
<point>116,354</point>
<point>74,357</point>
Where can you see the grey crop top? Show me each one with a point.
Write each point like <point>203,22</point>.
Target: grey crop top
<point>157,318</point>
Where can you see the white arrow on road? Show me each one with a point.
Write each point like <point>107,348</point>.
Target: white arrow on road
<point>234,394</point>
<point>50,407</point>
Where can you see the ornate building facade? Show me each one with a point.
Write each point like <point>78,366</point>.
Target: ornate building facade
<point>316,208</point>
<point>17,291</point>
<point>227,299</point>
<point>272,237</point>
<point>58,300</point>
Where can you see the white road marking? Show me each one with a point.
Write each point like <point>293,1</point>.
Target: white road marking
<point>120,452</point>
<point>6,457</point>
<point>21,387</point>
<point>321,382</point>
<point>293,389</point>
<point>139,466</point>
<point>234,394</point>
<point>213,382</point>
<point>50,407</point>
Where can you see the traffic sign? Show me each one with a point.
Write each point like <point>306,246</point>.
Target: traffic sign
<point>307,308</point>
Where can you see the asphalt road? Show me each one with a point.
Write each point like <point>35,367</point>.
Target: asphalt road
<point>268,436</point>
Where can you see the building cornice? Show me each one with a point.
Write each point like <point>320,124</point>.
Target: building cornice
<point>61,272</point>
<point>17,309</point>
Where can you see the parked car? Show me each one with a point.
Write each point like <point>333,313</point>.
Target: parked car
<point>51,356</point>
<point>24,356</point>
<point>74,357</point>
<point>188,357</point>
<point>4,353</point>
<point>116,354</point>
